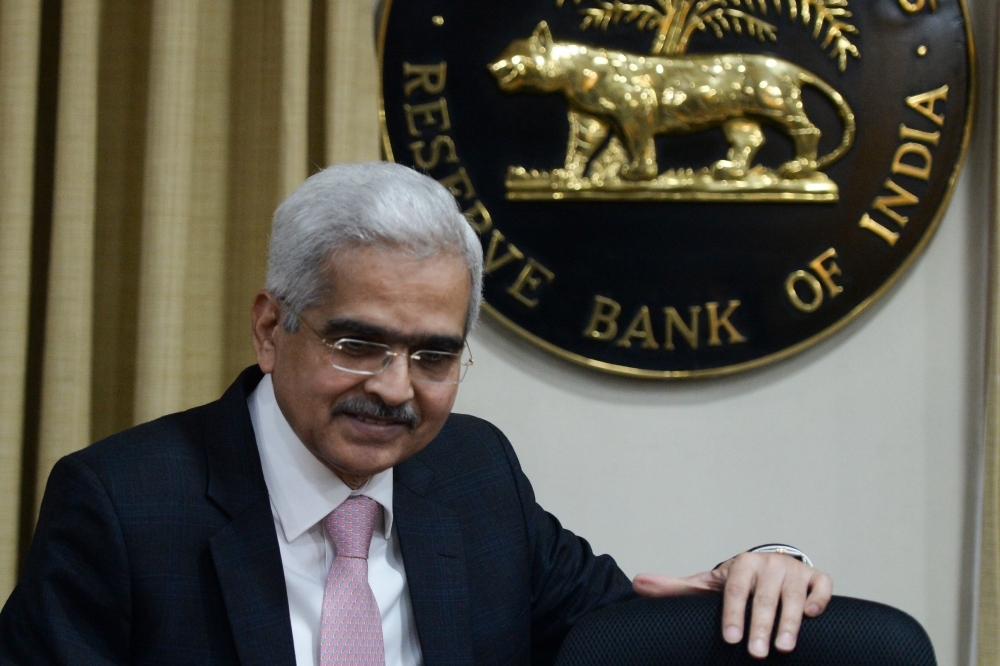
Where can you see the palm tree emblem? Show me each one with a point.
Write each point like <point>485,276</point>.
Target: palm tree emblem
<point>676,21</point>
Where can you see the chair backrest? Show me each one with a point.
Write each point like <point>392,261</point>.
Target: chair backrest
<point>688,631</point>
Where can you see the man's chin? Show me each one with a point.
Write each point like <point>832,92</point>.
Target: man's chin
<point>361,450</point>
<point>352,481</point>
<point>356,470</point>
<point>362,459</point>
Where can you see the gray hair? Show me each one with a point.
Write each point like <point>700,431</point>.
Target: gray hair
<point>375,204</point>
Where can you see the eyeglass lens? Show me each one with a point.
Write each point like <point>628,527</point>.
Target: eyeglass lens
<point>370,358</point>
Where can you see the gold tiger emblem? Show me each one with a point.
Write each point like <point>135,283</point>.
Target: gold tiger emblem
<point>636,97</point>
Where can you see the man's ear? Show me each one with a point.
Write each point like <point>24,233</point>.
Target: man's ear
<point>542,36</point>
<point>266,316</point>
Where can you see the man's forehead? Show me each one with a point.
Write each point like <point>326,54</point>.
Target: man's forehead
<point>390,295</point>
<point>396,275</point>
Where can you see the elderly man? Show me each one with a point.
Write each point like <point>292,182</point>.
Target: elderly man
<point>329,508</point>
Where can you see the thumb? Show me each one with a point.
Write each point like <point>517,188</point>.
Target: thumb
<point>656,585</point>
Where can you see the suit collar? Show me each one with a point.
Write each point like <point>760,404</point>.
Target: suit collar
<point>414,475</point>
<point>430,537</point>
<point>245,552</point>
<point>248,564</point>
<point>235,478</point>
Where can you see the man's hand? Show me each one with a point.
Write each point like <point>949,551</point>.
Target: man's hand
<point>770,578</point>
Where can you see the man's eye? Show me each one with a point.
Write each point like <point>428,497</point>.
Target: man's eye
<point>355,347</point>
<point>430,357</point>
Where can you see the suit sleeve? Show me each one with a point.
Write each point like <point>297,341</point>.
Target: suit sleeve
<point>71,605</point>
<point>567,579</point>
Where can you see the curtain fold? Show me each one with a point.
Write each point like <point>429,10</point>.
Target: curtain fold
<point>352,84</point>
<point>19,35</point>
<point>166,217</point>
<point>295,95</point>
<point>134,216</point>
<point>253,169</point>
<point>203,378</point>
<point>123,96</point>
<point>66,366</point>
<point>988,625</point>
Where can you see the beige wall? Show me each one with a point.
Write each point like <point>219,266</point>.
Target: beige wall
<point>861,451</point>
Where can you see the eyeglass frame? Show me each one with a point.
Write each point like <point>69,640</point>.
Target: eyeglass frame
<point>389,354</point>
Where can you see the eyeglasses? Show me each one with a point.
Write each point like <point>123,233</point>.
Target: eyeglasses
<point>362,357</point>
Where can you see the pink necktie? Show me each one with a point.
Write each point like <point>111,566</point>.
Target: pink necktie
<point>351,629</point>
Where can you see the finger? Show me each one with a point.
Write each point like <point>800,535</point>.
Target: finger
<point>767,594</point>
<point>739,585</point>
<point>821,589</point>
<point>793,600</point>
<point>656,585</point>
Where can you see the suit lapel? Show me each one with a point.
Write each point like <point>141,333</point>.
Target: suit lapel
<point>434,557</point>
<point>248,564</point>
<point>245,552</point>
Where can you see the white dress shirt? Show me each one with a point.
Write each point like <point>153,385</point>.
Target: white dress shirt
<point>303,491</point>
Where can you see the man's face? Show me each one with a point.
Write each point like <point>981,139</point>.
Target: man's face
<point>379,295</point>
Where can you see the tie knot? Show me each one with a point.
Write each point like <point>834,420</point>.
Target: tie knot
<point>351,524</point>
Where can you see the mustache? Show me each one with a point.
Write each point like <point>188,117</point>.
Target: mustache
<point>374,408</point>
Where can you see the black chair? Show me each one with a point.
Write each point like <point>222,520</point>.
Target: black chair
<point>688,631</point>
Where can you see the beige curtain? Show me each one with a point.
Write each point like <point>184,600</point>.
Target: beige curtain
<point>988,629</point>
<point>143,148</point>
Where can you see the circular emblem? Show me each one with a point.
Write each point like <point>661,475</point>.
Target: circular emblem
<point>683,188</point>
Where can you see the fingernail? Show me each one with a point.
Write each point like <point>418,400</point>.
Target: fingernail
<point>812,610</point>
<point>785,641</point>
<point>732,634</point>
<point>758,648</point>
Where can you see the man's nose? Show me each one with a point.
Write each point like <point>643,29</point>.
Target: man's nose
<point>393,384</point>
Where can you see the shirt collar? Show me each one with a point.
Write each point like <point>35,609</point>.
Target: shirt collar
<point>303,490</point>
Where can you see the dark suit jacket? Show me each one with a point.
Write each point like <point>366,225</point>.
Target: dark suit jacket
<point>157,546</point>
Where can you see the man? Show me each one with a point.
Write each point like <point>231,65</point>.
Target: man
<point>329,508</point>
